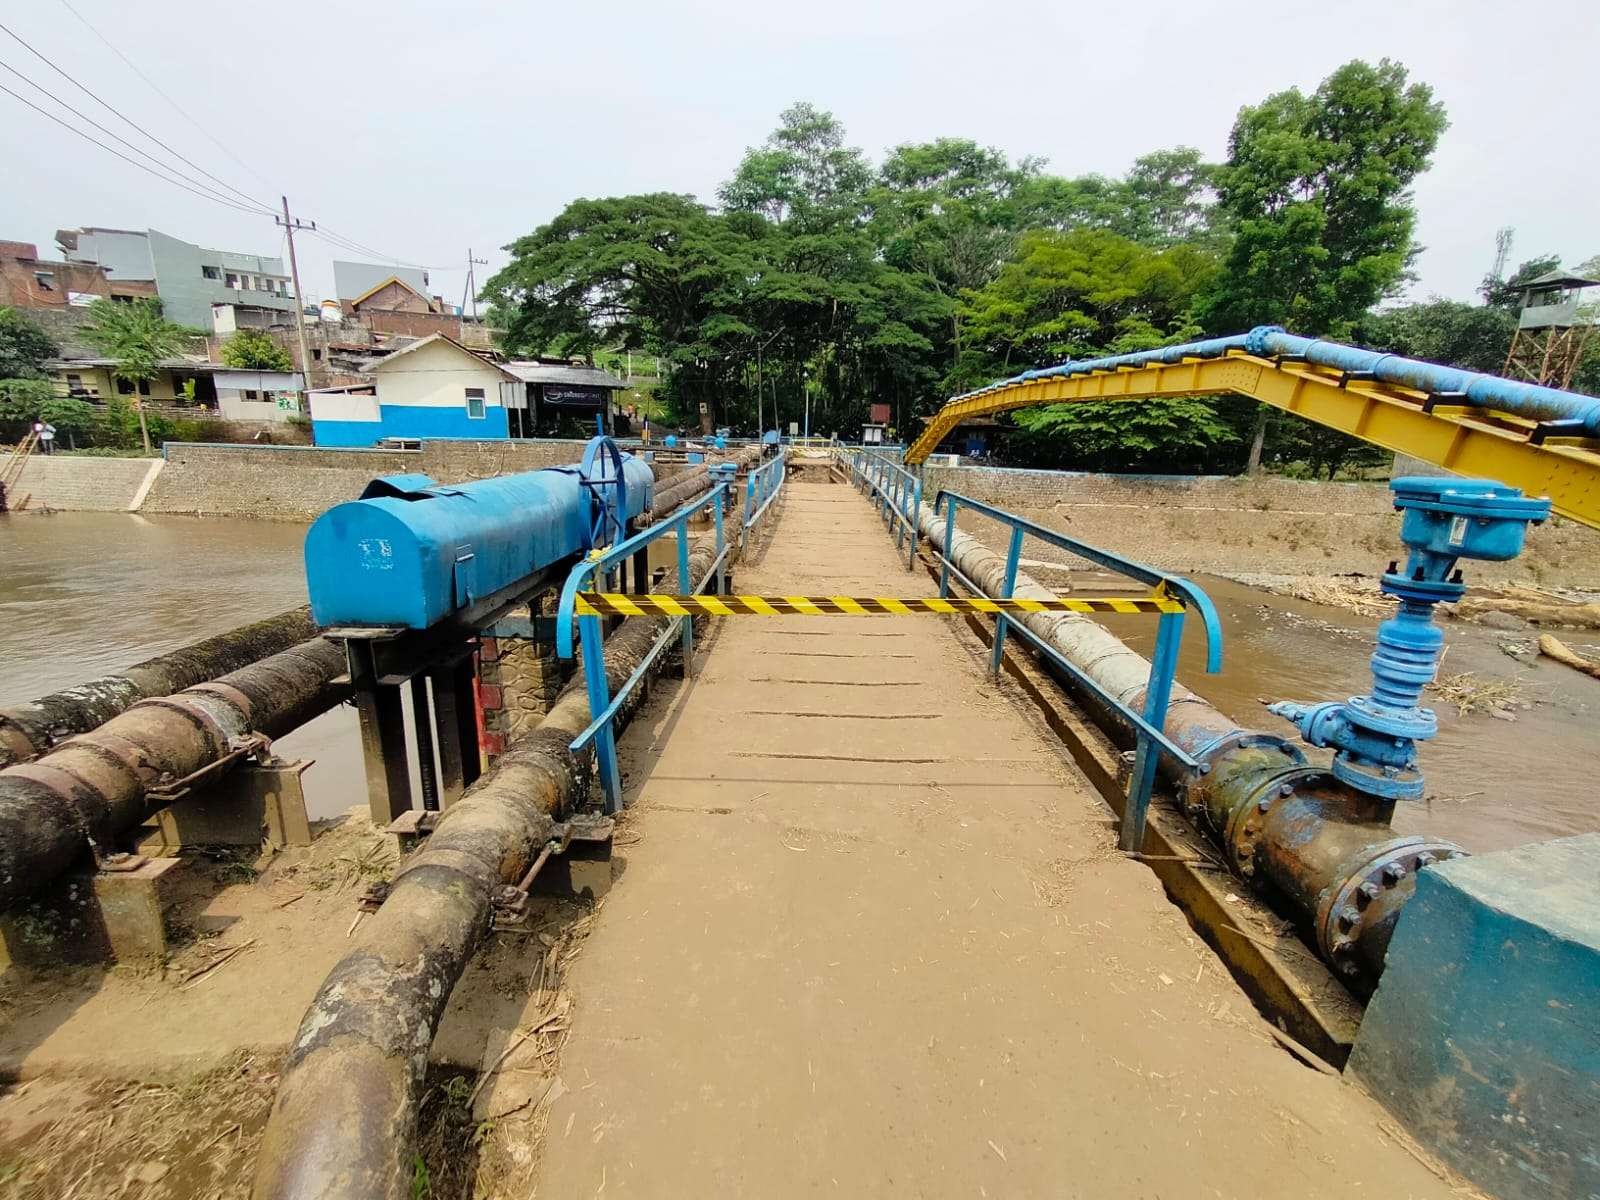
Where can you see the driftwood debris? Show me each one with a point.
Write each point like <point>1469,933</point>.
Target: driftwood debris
<point>1553,647</point>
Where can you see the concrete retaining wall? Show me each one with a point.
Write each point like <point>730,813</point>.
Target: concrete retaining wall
<point>1482,1035</point>
<point>296,483</point>
<point>1228,524</point>
<point>76,484</point>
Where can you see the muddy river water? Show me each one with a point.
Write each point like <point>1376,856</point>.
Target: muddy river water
<point>84,593</point>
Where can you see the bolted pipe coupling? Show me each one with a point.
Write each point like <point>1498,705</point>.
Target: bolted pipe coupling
<point>1445,520</point>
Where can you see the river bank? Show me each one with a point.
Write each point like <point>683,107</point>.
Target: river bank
<point>1210,524</point>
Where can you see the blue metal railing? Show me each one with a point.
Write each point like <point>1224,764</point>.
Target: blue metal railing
<point>1148,724</point>
<point>899,494</point>
<point>603,706</point>
<point>761,488</point>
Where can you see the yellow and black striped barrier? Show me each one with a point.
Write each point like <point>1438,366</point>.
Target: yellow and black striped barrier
<point>599,604</point>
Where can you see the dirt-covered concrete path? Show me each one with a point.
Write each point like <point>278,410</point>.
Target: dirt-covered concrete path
<point>874,939</point>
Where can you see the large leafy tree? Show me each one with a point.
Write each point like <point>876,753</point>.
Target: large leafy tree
<point>1316,189</point>
<point>1089,292</point>
<point>1070,295</point>
<point>139,338</point>
<point>253,350</point>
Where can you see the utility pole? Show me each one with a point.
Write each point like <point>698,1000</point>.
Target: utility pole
<point>289,226</point>
<point>472,283</point>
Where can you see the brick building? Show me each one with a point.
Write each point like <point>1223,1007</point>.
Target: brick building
<point>28,281</point>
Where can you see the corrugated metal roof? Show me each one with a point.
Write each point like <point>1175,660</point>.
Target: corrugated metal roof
<point>535,372</point>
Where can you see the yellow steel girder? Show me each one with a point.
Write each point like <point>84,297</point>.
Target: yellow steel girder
<point>1460,438</point>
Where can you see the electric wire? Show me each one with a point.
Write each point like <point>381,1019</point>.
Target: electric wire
<point>14,36</point>
<point>111,133</point>
<point>132,66</point>
<point>132,161</point>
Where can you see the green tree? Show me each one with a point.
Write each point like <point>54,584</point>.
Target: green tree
<point>24,347</point>
<point>1316,189</point>
<point>1072,295</point>
<point>1081,294</point>
<point>1181,434</point>
<point>1316,193</point>
<point>1474,337</point>
<point>253,350</point>
<point>804,172</point>
<point>1507,293</point>
<point>1171,198</point>
<point>139,338</point>
<point>24,401</point>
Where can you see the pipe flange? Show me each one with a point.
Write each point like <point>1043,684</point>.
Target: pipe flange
<point>1247,819</point>
<point>1342,913</point>
<point>1246,739</point>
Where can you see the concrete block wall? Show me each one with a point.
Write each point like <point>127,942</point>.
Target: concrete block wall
<point>294,483</point>
<point>1228,524</point>
<point>283,483</point>
<point>75,484</point>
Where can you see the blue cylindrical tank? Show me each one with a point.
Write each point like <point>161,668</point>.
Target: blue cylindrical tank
<point>410,552</point>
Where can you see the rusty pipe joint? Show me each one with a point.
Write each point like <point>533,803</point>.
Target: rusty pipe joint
<point>1295,827</point>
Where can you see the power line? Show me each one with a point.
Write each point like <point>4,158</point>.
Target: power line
<point>339,239</point>
<point>110,133</point>
<point>132,66</point>
<point>133,161</point>
<point>266,209</point>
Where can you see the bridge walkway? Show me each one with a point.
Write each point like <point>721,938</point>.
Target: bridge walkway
<point>875,939</point>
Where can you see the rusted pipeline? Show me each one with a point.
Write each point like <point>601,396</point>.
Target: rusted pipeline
<point>344,1123</point>
<point>683,487</point>
<point>93,788</point>
<point>30,729</point>
<point>1281,821</point>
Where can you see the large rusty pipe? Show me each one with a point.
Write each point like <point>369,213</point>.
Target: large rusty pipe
<point>94,788</point>
<point>1329,850</point>
<point>676,489</point>
<point>344,1123</point>
<point>29,730</point>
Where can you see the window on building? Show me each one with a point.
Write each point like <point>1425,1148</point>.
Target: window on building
<point>45,279</point>
<point>74,383</point>
<point>124,386</point>
<point>475,404</point>
<point>232,280</point>
<point>210,273</point>
<point>144,387</point>
<point>123,299</point>
<point>250,393</point>
<point>317,355</point>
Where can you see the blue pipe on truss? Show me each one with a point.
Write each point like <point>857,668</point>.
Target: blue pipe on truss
<point>1581,414</point>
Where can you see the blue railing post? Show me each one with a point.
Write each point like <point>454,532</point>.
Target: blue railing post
<point>594,677</point>
<point>685,586</point>
<point>916,514</point>
<point>722,571</point>
<point>949,535</point>
<point>1013,557</point>
<point>1158,692</point>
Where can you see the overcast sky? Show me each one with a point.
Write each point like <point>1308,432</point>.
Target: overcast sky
<point>423,128</point>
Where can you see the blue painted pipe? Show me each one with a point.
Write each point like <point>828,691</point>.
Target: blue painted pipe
<point>1482,391</point>
<point>410,552</point>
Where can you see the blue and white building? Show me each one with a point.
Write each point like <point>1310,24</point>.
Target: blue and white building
<point>434,388</point>
<point>437,388</point>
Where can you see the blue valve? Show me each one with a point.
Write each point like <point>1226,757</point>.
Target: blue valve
<point>1445,520</point>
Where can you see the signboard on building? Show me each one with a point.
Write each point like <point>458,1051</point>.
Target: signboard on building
<point>568,395</point>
